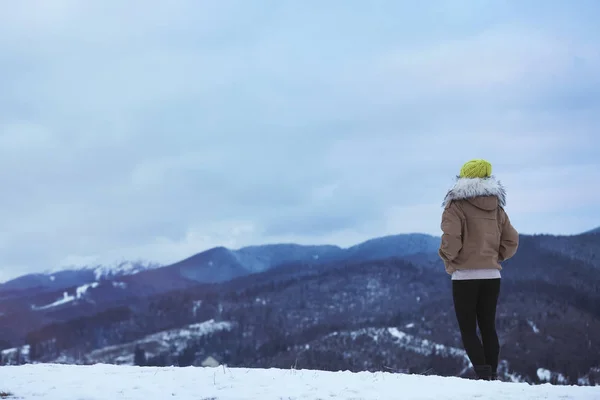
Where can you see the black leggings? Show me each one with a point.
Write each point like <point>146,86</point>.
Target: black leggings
<point>475,304</point>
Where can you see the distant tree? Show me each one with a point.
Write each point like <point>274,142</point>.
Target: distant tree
<point>19,357</point>
<point>4,344</point>
<point>187,356</point>
<point>159,360</point>
<point>139,356</point>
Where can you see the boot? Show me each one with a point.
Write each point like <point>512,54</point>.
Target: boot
<point>484,372</point>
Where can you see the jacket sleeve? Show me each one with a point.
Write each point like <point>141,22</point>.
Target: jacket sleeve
<point>451,233</point>
<point>509,239</point>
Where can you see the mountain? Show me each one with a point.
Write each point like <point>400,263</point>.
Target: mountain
<point>262,258</point>
<point>43,282</point>
<point>58,296</point>
<point>393,246</point>
<point>365,307</point>
<point>597,230</point>
<point>578,247</point>
<point>373,314</point>
<point>122,268</point>
<point>73,276</point>
<point>221,264</point>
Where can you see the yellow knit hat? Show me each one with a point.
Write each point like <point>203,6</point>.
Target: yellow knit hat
<point>476,169</point>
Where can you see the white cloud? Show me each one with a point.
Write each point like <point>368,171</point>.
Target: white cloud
<point>505,65</point>
<point>554,189</point>
<point>165,250</point>
<point>24,136</point>
<point>156,130</point>
<point>414,218</point>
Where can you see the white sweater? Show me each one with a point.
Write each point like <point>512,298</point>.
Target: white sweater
<point>468,274</point>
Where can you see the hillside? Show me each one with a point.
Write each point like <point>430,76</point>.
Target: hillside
<point>54,291</point>
<point>218,264</point>
<point>53,382</point>
<point>60,279</point>
<point>221,264</point>
<point>371,313</point>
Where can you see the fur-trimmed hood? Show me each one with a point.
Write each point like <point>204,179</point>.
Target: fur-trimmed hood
<point>468,188</point>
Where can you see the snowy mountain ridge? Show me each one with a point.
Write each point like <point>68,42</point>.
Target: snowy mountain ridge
<point>249,259</point>
<point>287,316</point>
<point>221,264</point>
<point>67,276</point>
<point>109,270</point>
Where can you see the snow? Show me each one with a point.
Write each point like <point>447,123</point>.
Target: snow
<point>108,270</point>
<point>408,342</point>
<point>15,355</point>
<point>206,327</point>
<point>67,298</point>
<point>260,301</point>
<point>156,343</point>
<point>424,346</point>
<point>197,304</point>
<point>120,285</point>
<point>6,352</point>
<point>64,300</point>
<point>80,291</point>
<point>121,268</point>
<point>504,370</point>
<point>533,326</point>
<point>546,375</point>
<point>101,382</point>
<point>397,333</point>
<point>409,326</point>
<point>584,381</point>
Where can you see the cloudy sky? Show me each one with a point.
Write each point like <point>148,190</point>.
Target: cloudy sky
<point>157,129</point>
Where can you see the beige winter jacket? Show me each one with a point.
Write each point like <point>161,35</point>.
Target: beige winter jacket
<point>477,232</point>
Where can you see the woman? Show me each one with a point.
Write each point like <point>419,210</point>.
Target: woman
<point>477,237</point>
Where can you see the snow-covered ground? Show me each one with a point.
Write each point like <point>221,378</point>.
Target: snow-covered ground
<point>62,382</point>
